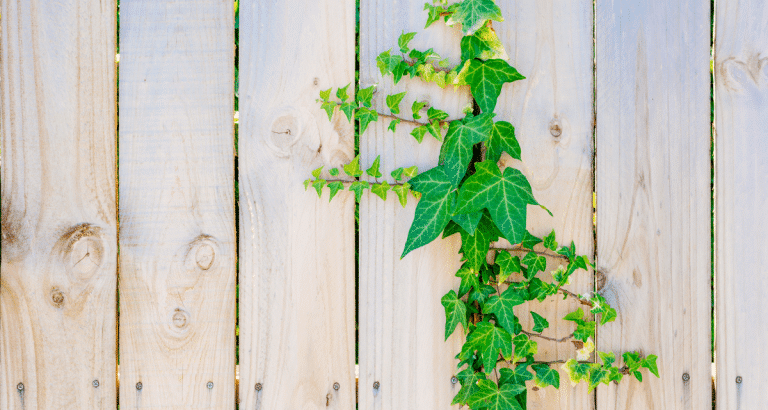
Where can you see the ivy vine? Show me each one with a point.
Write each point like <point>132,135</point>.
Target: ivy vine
<point>476,199</point>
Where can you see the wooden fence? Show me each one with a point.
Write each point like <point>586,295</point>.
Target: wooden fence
<point>626,116</point>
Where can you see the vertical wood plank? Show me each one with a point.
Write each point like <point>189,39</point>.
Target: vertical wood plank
<point>177,233</point>
<point>59,215</point>
<point>550,42</point>
<point>297,284</point>
<point>741,76</point>
<point>402,323</point>
<point>653,187</point>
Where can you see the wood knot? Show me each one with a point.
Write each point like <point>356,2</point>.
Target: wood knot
<point>555,129</point>
<point>180,318</point>
<point>204,256</point>
<point>201,253</point>
<point>316,81</point>
<point>85,248</point>
<point>599,280</point>
<point>57,298</point>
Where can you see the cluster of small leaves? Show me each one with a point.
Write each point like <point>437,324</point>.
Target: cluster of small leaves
<point>483,204</point>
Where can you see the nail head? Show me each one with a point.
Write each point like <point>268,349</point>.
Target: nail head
<point>376,385</point>
<point>210,385</point>
<point>336,386</point>
<point>738,379</point>
<point>139,386</point>
<point>95,383</point>
<point>20,386</point>
<point>258,387</point>
<point>454,380</point>
<point>686,377</point>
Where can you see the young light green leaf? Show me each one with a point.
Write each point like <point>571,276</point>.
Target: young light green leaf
<point>575,316</point>
<point>539,290</point>
<point>353,168</point>
<point>380,190</point>
<point>434,129</point>
<point>502,139</point>
<point>419,132</point>
<point>485,79</point>
<point>334,172</point>
<point>374,169</point>
<point>307,183</point>
<point>316,173</point>
<point>505,195</point>
<point>402,193</point>
<point>398,174</point>
<point>435,114</point>
<point>455,312</point>
<point>577,371</point>
<point>393,124</point>
<point>348,109</point>
<point>489,340</point>
<point>484,44</point>
<point>600,306</point>
<point>524,347</point>
<point>550,242</point>
<point>492,397</point>
<point>607,358</point>
<point>325,94</point>
<point>335,187</point>
<point>388,62</point>
<point>539,322</point>
<point>366,116</point>
<point>416,107</point>
<point>584,330</point>
<point>503,307</point>
<point>319,184</point>
<point>650,363</point>
<point>432,214</point>
<point>365,95</point>
<point>411,171</point>
<point>341,93</point>
<point>546,376</point>
<point>358,187</point>
<point>403,41</point>
<point>472,14</point>
<point>393,102</point>
<point>329,107</point>
<point>456,151</point>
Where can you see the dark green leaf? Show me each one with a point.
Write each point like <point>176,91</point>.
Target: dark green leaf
<point>481,294</point>
<point>348,109</point>
<point>508,264</point>
<point>529,241</point>
<point>539,322</point>
<point>584,330</point>
<point>524,347</point>
<point>489,340</point>
<point>503,307</point>
<point>468,379</point>
<point>432,214</point>
<point>485,79</point>
<point>334,172</point>
<point>432,183</point>
<point>535,263</point>
<point>468,222</point>
<point>517,376</point>
<point>455,312</point>
<point>456,151</point>
<point>650,363</point>
<point>472,14</point>
<point>502,139</point>
<point>469,280</point>
<point>484,44</point>
<point>546,376</point>
<point>538,289</point>
<point>492,397</point>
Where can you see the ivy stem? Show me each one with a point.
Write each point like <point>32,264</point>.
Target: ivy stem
<point>520,248</point>
<point>540,336</point>
<point>575,296</point>
<point>405,120</point>
<point>347,183</point>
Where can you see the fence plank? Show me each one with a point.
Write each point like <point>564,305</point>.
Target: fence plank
<point>297,251</point>
<point>402,322</point>
<point>59,215</point>
<point>550,42</point>
<point>177,232</point>
<point>653,187</point>
<point>741,76</point>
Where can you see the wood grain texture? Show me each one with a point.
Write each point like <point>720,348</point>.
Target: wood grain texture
<point>402,323</point>
<point>653,187</point>
<point>741,76</point>
<point>550,42</point>
<point>177,232</point>
<point>59,214</point>
<point>297,273</point>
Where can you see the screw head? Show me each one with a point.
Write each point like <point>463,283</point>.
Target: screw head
<point>454,380</point>
<point>258,387</point>
<point>95,383</point>
<point>336,386</point>
<point>139,386</point>
<point>376,385</point>
<point>738,379</point>
<point>210,385</point>
<point>686,377</point>
<point>20,386</point>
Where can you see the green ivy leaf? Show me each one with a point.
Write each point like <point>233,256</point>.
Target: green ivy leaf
<point>475,247</point>
<point>432,183</point>
<point>411,171</point>
<point>432,214</point>
<point>529,241</point>
<point>334,172</point>
<point>468,222</point>
<point>341,93</point>
<point>455,312</point>
<point>489,340</point>
<point>326,94</point>
<point>468,379</point>
<point>402,193</point>
<point>319,184</point>
<point>388,62</point>
<point>481,294</point>
<point>519,375</point>
<point>568,252</point>
<point>550,242</point>
<point>503,307</point>
<point>393,124</point>
<point>307,182</point>
<point>508,264</point>
<point>329,107</point>
<point>584,330</point>
<point>380,190</point>
<point>483,44</point>
<point>348,109</point>
<point>316,172</point>
<point>435,114</point>
<point>601,307</point>
<point>456,151</point>
<point>539,322</point>
<point>650,363</point>
<point>353,168</point>
<point>393,102</point>
<point>400,71</point>
<point>358,187</point>
<point>505,195</point>
<point>398,174</point>
<point>365,95</point>
<point>469,280</point>
<point>577,371</point>
<point>419,133</point>
<point>546,376</point>
<point>539,290</point>
<point>485,79</point>
<point>597,374</point>
<point>416,107</point>
<point>374,169</point>
<point>492,397</point>
<point>502,139</point>
<point>607,358</point>
<point>366,116</point>
<point>535,263</point>
<point>472,14</point>
<point>335,187</point>
<point>524,347</point>
<point>575,316</point>
<point>434,13</point>
<point>403,41</point>
<point>434,129</point>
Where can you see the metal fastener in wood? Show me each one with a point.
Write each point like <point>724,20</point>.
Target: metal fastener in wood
<point>686,377</point>
<point>95,383</point>
<point>454,380</point>
<point>258,387</point>
<point>376,385</point>
<point>139,386</point>
<point>738,379</point>
<point>210,385</point>
<point>336,386</point>
<point>20,386</point>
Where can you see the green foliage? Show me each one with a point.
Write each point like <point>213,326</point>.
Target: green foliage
<point>483,203</point>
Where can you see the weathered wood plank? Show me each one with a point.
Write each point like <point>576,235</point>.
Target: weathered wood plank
<point>297,317</point>
<point>550,42</point>
<point>177,223</point>
<point>741,76</point>
<point>59,214</point>
<point>402,322</point>
<point>653,187</point>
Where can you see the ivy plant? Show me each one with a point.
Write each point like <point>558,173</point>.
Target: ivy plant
<point>468,194</point>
